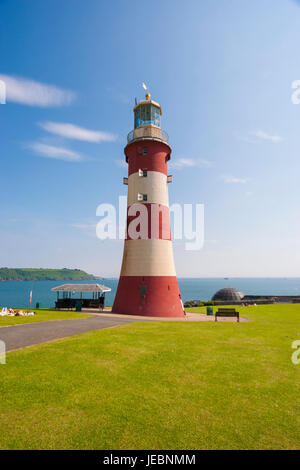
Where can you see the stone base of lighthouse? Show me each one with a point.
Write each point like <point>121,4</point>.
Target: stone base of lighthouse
<point>154,296</point>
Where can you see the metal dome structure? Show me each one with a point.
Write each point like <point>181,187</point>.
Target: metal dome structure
<point>228,294</point>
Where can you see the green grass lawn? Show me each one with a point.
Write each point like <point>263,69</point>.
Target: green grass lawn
<point>41,315</point>
<point>158,385</point>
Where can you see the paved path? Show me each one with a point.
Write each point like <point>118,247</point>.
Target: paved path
<point>189,317</point>
<point>23,335</point>
<point>20,336</point>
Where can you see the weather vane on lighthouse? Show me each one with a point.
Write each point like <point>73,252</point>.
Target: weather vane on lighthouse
<point>148,283</point>
<point>148,96</point>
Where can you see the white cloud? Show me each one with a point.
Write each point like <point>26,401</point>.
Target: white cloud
<point>121,163</point>
<point>84,226</point>
<point>257,136</point>
<point>32,93</point>
<point>70,131</point>
<point>180,163</point>
<point>87,229</point>
<point>264,136</point>
<point>233,180</point>
<point>118,95</point>
<point>51,151</point>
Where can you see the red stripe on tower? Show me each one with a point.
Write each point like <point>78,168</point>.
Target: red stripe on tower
<point>148,284</point>
<point>155,159</point>
<point>148,221</point>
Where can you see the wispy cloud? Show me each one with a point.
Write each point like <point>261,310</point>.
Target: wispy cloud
<point>87,228</point>
<point>180,163</point>
<point>84,226</point>
<point>264,136</point>
<point>233,180</point>
<point>31,93</point>
<point>121,163</point>
<point>71,131</point>
<point>118,95</point>
<point>51,151</point>
<point>258,136</point>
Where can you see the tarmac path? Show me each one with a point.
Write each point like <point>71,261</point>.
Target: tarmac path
<point>29,334</point>
<point>23,335</point>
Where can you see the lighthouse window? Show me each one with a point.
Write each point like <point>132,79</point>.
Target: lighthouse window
<point>142,197</point>
<point>137,117</point>
<point>143,290</point>
<point>155,118</point>
<point>147,114</point>
<point>143,173</point>
<point>145,151</point>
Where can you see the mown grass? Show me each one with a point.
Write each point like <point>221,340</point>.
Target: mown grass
<point>158,385</point>
<point>41,315</point>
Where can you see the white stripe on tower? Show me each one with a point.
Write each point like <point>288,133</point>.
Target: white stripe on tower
<point>154,185</point>
<point>148,258</point>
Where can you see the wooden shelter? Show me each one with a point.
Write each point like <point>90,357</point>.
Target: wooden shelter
<point>69,299</point>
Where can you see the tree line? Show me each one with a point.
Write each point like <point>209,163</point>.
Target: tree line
<point>32,274</point>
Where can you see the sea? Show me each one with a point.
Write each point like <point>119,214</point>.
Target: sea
<point>16,294</point>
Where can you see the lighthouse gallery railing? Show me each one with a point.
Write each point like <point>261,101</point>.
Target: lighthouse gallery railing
<point>147,133</point>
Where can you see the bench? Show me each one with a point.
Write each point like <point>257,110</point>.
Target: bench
<point>64,303</point>
<point>227,312</point>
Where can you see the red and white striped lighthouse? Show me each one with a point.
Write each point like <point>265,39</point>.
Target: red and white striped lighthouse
<point>148,284</point>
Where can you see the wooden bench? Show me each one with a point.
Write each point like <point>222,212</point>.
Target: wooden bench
<point>227,312</point>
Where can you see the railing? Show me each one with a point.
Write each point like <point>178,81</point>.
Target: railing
<point>142,133</point>
<point>130,137</point>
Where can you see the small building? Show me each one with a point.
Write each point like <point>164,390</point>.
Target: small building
<point>231,296</point>
<point>228,294</point>
<point>72,295</point>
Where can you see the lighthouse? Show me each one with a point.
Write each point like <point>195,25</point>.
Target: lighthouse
<point>148,283</point>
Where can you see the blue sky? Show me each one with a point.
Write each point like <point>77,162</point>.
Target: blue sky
<point>222,71</point>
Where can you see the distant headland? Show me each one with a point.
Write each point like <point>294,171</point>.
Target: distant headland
<point>33,274</point>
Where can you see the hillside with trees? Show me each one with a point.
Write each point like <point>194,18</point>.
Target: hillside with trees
<point>32,274</point>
